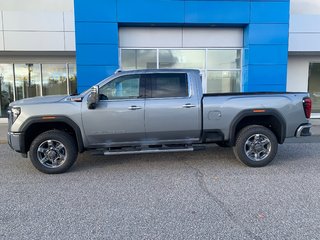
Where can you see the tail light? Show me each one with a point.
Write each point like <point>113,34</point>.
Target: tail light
<point>307,105</point>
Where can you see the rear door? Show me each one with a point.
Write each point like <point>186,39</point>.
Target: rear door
<point>172,110</point>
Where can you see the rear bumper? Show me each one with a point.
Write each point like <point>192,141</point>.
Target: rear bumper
<point>15,141</point>
<point>304,130</point>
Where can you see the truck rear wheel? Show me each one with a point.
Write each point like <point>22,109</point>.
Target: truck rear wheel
<point>256,146</point>
<point>53,152</point>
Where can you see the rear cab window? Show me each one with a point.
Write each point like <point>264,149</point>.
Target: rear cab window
<point>167,85</point>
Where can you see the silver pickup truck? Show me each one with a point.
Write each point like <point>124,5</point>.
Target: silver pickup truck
<point>150,111</point>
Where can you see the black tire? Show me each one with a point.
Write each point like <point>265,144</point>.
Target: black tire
<point>256,146</point>
<point>53,152</point>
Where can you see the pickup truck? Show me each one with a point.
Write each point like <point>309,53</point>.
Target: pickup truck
<point>151,111</point>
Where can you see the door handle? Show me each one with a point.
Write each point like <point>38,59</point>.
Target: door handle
<point>188,105</point>
<point>134,107</point>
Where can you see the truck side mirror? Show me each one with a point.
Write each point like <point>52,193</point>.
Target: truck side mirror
<point>93,97</point>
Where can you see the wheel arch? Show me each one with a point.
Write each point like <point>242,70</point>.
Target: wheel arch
<point>34,126</point>
<point>268,118</point>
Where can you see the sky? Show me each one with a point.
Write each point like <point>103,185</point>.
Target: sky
<point>305,7</point>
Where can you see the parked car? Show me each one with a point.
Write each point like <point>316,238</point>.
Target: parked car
<point>151,111</point>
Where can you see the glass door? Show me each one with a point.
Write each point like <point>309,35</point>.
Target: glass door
<point>6,88</point>
<point>314,86</point>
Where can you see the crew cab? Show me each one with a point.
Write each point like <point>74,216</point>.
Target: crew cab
<point>151,111</point>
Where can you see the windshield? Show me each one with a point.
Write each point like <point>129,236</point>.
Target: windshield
<point>99,83</point>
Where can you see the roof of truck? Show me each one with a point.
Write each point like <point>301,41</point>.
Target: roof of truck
<point>142,71</point>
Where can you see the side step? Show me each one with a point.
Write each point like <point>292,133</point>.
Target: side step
<point>142,150</point>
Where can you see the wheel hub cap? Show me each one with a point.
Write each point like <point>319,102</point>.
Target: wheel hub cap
<point>52,153</point>
<point>257,147</point>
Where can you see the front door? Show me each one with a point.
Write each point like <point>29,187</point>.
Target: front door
<point>119,116</point>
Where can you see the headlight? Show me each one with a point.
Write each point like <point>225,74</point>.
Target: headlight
<point>15,113</point>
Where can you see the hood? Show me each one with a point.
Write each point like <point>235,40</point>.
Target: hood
<point>38,100</point>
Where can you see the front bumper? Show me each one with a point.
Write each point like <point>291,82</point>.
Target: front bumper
<point>15,141</point>
<point>304,130</point>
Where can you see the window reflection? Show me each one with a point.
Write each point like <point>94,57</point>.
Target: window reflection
<point>223,81</point>
<point>220,68</point>
<point>54,79</point>
<point>139,58</point>
<point>182,58</point>
<point>126,87</point>
<point>224,59</point>
<point>6,87</point>
<point>72,78</point>
<point>314,86</point>
<point>28,80</point>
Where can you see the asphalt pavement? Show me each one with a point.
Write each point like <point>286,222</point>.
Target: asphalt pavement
<point>197,195</point>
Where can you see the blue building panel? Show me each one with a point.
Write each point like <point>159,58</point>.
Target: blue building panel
<point>265,88</point>
<point>217,12</point>
<point>270,75</point>
<point>146,11</point>
<point>97,33</point>
<point>265,25</point>
<point>268,54</point>
<point>97,55</point>
<point>95,10</point>
<point>269,12</point>
<point>93,75</point>
<point>267,34</point>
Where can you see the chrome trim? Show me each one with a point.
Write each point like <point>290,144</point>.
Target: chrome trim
<point>301,128</point>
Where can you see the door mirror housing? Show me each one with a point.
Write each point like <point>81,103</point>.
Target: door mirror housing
<point>93,97</point>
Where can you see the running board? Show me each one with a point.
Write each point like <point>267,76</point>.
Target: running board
<point>108,153</point>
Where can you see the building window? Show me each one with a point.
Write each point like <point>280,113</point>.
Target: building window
<point>182,58</point>
<point>6,87</point>
<point>314,86</point>
<point>139,59</point>
<point>27,80</point>
<point>223,71</point>
<point>72,74</point>
<point>220,68</point>
<point>54,79</point>
<point>20,81</point>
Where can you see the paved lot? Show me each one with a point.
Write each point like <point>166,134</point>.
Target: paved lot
<point>200,195</point>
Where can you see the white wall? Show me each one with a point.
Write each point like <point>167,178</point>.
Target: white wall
<point>298,72</point>
<point>304,33</point>
<point>178,37</point>
<point>36,5</point>
<point>37,25</point>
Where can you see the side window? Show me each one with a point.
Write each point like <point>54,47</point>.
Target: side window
<point>125,87</point>
<point>169,85</point>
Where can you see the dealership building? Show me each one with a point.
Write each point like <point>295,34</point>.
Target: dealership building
<point>60,46</point>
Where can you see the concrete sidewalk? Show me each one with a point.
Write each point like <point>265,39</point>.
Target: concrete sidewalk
<point>4,128</point>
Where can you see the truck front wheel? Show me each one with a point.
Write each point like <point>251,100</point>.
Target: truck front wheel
<point>53,152</point>
<point>256,146</point>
